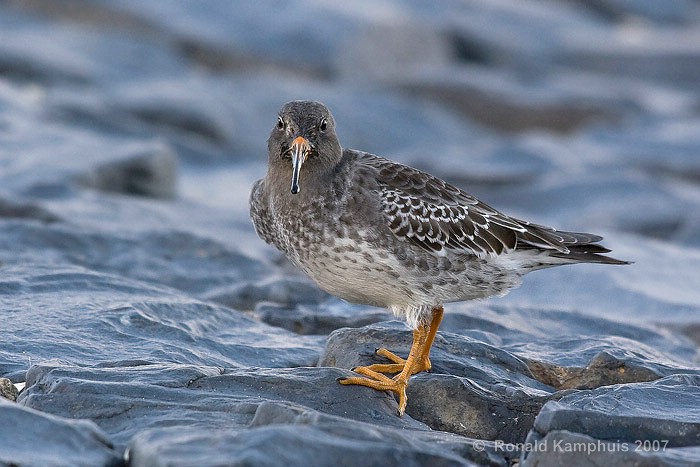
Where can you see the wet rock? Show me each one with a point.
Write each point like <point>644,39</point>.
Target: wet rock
<point>285,291</point>
<point>562,447</point>
<point>473,408</point>
<point>502,103</point>
<point>124,400</point>
<point>603,370</point>
<point>657,54</point>
<point>631,411</point>
<point>176,259</point>
<point>152,173</point>
<point>134,290</point>
<point>655,415</point>
<point>304,444</point>
<point>621,11</point>
<point>19,210</point>
<point>322,318</point>
<point>406,45</point>
<point>451,354</point>
<point>133,321</point>
<point>30,437</point>
<point>472,389</point>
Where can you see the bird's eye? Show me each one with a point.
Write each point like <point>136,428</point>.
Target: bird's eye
<point>280,123</point>
<point>323,125</point>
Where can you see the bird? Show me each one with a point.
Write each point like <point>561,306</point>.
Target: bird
<point>376,232</point>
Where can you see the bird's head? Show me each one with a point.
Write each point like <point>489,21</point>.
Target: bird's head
<point>303,135</point>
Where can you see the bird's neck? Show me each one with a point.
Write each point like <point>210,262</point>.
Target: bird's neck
<point>318,185</point>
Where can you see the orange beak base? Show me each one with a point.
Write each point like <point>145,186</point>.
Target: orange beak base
<point>300,149</point>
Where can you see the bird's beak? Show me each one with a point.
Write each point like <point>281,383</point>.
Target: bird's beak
<point>300,149</point>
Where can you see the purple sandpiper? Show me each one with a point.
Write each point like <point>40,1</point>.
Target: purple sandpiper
<point>376,232</point>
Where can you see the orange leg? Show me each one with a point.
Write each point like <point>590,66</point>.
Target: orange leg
<point>418,360</point>
<point>421,364</point>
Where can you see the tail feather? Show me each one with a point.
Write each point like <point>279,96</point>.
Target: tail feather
<point>589,254</point>
<point>575,247</point>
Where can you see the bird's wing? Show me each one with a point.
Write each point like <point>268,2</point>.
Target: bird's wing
<point>438,216</point>
<point>259,213</point>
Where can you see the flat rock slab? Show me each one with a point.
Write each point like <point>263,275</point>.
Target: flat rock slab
<point>31,437</point>
<point>343,444</point>
<point>151,408</point>
<point>559,448</point>
<point>655,422</point>
<point>103,319</point>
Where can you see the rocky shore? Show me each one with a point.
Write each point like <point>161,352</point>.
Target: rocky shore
<point>147,325</point>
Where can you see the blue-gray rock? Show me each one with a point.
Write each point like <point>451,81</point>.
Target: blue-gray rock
<point>654,421</point>
<point>32,438</point>
<point>135,296</point>
<point>576,450</point>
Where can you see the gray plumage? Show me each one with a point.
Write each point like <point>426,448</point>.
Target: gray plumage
<point>376,232</point>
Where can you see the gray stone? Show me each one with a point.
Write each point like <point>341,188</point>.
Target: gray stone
<point>292,445</point>
<point>296,435</point>
<point>473,408</point>
<point>123,320</point>
<point>286,291</point>
<point>561,447</point>
<point>668,409</point>
<point>32,438</point>
<point>135,295</point>
<point>322,318</point>
<point>658,422</point>
<point>473,389</point>
<point>150,173</point>
<point>507,104</point>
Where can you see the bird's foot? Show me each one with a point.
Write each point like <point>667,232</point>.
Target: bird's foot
<point>418,360</point>
<point>373,377</point>
<point>380,382</point>
<point>420,364</point>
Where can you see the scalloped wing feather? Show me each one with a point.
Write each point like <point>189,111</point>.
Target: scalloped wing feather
<point>438,216</point>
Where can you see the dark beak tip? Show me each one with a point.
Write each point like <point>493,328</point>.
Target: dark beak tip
<point>295,190</point>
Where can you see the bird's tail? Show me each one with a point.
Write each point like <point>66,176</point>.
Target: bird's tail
<point>571,247</point>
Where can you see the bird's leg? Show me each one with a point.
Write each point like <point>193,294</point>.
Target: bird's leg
<point>399,382</point>
<point>432,332</point>
<point>417,361</point>
<point>421,364</point>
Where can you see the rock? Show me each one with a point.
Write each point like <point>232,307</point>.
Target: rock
<point>124,400</point>
<point>142,311</point>
<point>151,173</point>
<point>662,13</point>
<point>8,389</point>
<point>473,389</point>
<point>473,408</point>
<point>507,103</point>
<point>120,319</point>
<point>562,447</point>
<point>653,416</point>
<point>322,318</point>
<point>185,261</point>
<point>656,54</point>
<point>286,291</point>
<point>630,411</point>
<point>603,370</point>
<point>337,444</point>
<point>63,442</point>
<point>19,210</point>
